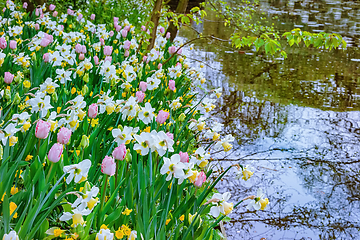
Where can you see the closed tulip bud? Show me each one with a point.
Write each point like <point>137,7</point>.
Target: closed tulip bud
<point>92,17</point>
<point>17,99</point>
<point>172,85</point>
<point>119,153</point>
<point>108,166</point>
<point>184,157</point>
<point>108,50</point>
<point>108,58</point>
<point>7,94</point>
<point>84,141</point>
<point>126,53</point>
<point>42,129</point>
<point>85,90</point>
<point>162,30</point>
<point>140,96</point>
<point>55,13</point>
<point>64,135</point>
<point>55,152</point>
<point>172,49</point>
<point>200,179</point>
<point>96,60</point>
<point>127,44</point>
<point>143,86</point>
<point>182,117</point>
<point>93,110</point>
<point>46,57</point>
<point>3,43</point>
<point>54,97</point>
<point>81,56</point>
<point>52,7</point>
<point>8,77</point>
<point>128,156</point>
<point>167,35</point>
<point>13,44</point>
<point>1,152</point>
<point>124,33</point>
<point>162,116</point>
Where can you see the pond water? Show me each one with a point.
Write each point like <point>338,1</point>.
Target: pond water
<point>296,123</point>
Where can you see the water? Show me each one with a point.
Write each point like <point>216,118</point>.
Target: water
<point>296,123</point>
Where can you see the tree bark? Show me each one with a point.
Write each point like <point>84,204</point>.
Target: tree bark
<point>155,16</point>
<point>33,4</point>
<point>181,8</point>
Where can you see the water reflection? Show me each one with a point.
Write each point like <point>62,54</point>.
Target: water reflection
<point>296,122</point>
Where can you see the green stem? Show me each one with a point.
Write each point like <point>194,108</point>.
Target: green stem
<point>103,199</point>
<point>50,170</point>
<point>38,148</point>
<point>117,173</point>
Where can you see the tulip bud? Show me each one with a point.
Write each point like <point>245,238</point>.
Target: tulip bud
<point>55,152</point>
<point>64,135</point>
<point>182,117</point>
<point>93,110</point>
<point>108,166</point>
<point>162,116</point>
<point>54,97</point>
<point>7,94</point>
<point>42,129</point>
<point>84,141</point>
<point>86,78</point>
<point>128,156</point>
<point>85,90</point>
<point>8,77</point>
<point>119,153</point>
<point>16,99</point>
<point>1,152</point>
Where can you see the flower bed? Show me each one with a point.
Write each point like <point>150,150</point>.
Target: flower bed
<point>99,137</point>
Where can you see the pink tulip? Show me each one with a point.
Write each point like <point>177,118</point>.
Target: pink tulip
<point>143,28</point>
<point>70,12</point>
<point>172,49</point>
<point>172,85</point>
<point>46,57</point>
<point>140,96</point>
<point>8,77</point>
<point>13,44</point>
<point>127,44</point>
<point>78,48</point>
<point>64,135</point>
<point>178,64</point>
<point>3,43</point>
<point>108,50</point>
<point>159,66</point>
<point>167,35</point>
<point>25,5</point>
<point>92,17</point>
<point>184,157</point>
<point>37,26</point>
<point>49,37</point>
<point>119,153</point>
<point>55,152</point>
<point>83,49</point>
<point>127,28</point>
<point>170,135</point>
<point>126,53</point>
<point>80,16</point>
<point>200,179</point>
<point>55,13</point>
<point>108,166</point>
<point>117,28</point>
<point>96,60</point>
<point>162,116</point>
<point>93,110</point>
<point>52,7</point>
<point>144,58</point>
<point>37,12</point>
<point>124,33</point>
<point>143,86</point>
<point>81,56</point>
<point>116,19</point>
<point>162,30</point>
<point>44,42</point>
<point>4,9</point>
<point>102,41</point>
<point>42,129</point>
<point>180,51</point>
<point>111,33</point>
<point>108,58</point>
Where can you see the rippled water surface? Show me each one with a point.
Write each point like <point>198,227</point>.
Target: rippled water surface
<point>296,123</point>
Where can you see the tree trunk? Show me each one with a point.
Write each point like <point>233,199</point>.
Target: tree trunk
<point>181,8</point>
<point>155,16</point>
<point>33,4</point>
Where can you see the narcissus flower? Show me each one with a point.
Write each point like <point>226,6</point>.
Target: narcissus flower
<point>55,231</point>
<point>11,236</point>
<point>222,206</point>
<point>78,171</point>
<point>173,167</point>
<point>104,234</point>
<point>258,202</point>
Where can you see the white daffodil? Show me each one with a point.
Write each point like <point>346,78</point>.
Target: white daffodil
<point>133,235</point>
<point>76,216</point>
<point>162,142</point>
<point>87,200</point>
<point>217,127</point>
<point>173,167</point>
<point>153,55</point>
<point>40,103</point>
<point>146,113</point>
<point>225,143</point>
<point>9,130</point>
<point>259,202</point>
<point>104,234</point>
<point>143,145</point>
<point>48,86</point>
<point>123,136</point>
<point>129,109</point>
<point>152,83</point>
<point>201,157</point>
<point>78,171</point>
<point>56,58</point>
<point>245,173</point>
<point>63,75</point>
<point>11,236</point>
<point>222,206</point>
